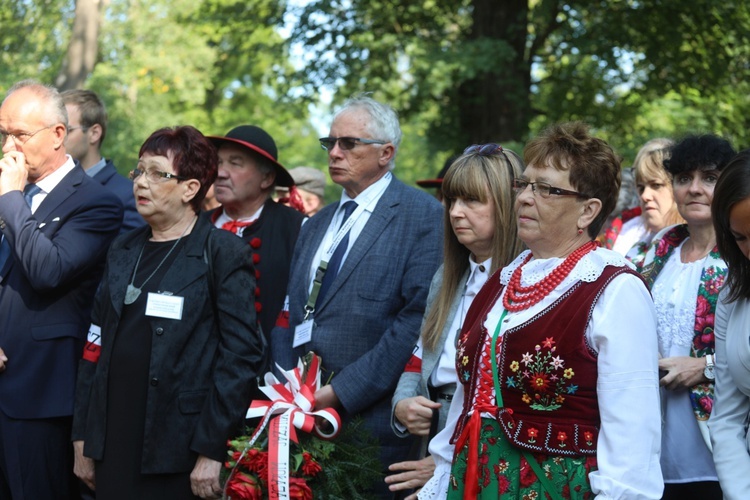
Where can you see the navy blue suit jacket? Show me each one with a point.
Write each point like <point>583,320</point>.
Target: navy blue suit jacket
<point>46,290</point>
<point>368,322</point>
<point>123,188</point>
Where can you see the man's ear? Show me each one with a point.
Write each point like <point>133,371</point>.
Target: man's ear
<point>95,134</point>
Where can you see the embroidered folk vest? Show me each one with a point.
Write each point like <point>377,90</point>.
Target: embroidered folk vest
<point>546,370</point>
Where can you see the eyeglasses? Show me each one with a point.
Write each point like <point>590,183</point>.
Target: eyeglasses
<point>82,129</point>
<point>345,143</point>
<point>484,149</point>
<point>21,137</point>
<point>155,176</point>
<point>544,189</point>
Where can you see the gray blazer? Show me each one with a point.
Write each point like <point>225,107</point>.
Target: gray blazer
<point>412,384</point>
<point>368,322</point>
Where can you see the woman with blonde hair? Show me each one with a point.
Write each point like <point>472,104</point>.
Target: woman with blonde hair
<point>654,184</point>
<point>480,237</point>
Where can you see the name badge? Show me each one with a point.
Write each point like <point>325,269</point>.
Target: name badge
<point>164,306</point>
<point>303,333</point>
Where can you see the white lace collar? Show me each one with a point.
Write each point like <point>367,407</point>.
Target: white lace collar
<point>588,269</point>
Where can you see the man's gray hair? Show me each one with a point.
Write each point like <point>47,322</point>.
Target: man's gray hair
<point>383,124</point>
<point>55,105</point>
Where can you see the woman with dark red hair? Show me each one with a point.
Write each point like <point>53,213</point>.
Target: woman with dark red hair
<point>173,348</point>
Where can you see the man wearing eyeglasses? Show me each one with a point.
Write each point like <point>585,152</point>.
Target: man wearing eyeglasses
<point>56,225</point>
<point>87,128</point>
<point>360,274</point>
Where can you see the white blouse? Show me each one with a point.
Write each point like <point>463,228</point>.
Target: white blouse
<point>684,454</point>
<point>622,331</point>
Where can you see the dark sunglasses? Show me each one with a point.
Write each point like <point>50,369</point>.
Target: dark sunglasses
<point>345,143</point>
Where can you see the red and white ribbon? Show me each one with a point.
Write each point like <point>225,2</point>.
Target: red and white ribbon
<point>290,407</point>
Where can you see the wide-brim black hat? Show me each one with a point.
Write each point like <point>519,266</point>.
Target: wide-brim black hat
<point>257,140</point>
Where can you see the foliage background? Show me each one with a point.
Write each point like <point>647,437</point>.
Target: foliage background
<point>457,71</point>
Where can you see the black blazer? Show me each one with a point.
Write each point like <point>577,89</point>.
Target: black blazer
<point>197,401</point>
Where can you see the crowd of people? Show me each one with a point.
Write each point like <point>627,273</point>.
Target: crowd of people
<point>535,330</point>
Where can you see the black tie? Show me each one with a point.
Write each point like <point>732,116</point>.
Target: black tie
<point>28,192</point>
<point>338,255</point>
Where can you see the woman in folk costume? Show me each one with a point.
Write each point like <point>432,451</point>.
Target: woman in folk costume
<point>480,237</point>
<point>559,381</point>
<point>685,272</point>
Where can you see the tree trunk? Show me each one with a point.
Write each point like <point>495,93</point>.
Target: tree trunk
<point>83,46</point>
<point>494,106</point>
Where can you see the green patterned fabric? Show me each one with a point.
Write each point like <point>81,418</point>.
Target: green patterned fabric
<point>505,474</point>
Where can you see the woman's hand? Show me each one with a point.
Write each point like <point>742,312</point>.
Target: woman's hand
<point>416,414</point>
<point>84,466</point>
<point>410,475</point>
<point>682,372</point>
<point>204,480</point>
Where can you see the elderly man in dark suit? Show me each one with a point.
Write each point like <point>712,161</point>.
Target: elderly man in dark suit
<point>360,274</point>
<point>87,128</point>
<point>56,225</point>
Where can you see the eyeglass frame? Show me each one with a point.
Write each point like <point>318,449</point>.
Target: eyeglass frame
<point>4,134</point>
<point>337,140</point>
<point>163,176</point>
<point>551,190</point>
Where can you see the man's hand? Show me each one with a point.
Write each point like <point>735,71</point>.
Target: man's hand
<point>325,397</point>
<point>204,480</point>
<point>682,372</point>
<point>84,466</point>
<point>3,360</point>
<point>416,414</point>
<point>13,172</point>
<point>410,475</point>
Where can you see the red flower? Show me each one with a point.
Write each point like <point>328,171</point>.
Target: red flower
<point>588,436</point>
<point>702,306</point>
<point>255,243</point>
<point>309,466</point>
<point>548,342</point>
<point>298,489</point>
<point>244,487</point>
<point>662,247</point>
<point>532,432</point>
<point>561,436</point>
<point>256,461</point>
<point>540,381</point>
<point>527,474</point>
<point>706,403</point>
<point>502,484</point>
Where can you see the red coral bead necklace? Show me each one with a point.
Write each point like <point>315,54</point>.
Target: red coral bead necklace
<point>518,297</point>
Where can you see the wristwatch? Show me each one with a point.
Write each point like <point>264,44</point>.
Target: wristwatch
<point>708,371</point>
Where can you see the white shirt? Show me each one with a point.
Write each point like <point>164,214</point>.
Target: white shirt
<point>631,233</point>
<point>224,218</point>
<point>50,182</point>
<point>369,199</point>
<point>684,454</point>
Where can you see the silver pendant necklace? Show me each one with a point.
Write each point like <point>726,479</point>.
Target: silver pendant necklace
<point>132,292</point>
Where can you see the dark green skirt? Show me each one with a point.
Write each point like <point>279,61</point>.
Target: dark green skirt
<point>505,473</point>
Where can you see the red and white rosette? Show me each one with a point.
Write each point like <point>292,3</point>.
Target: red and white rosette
<point>290,407</point>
